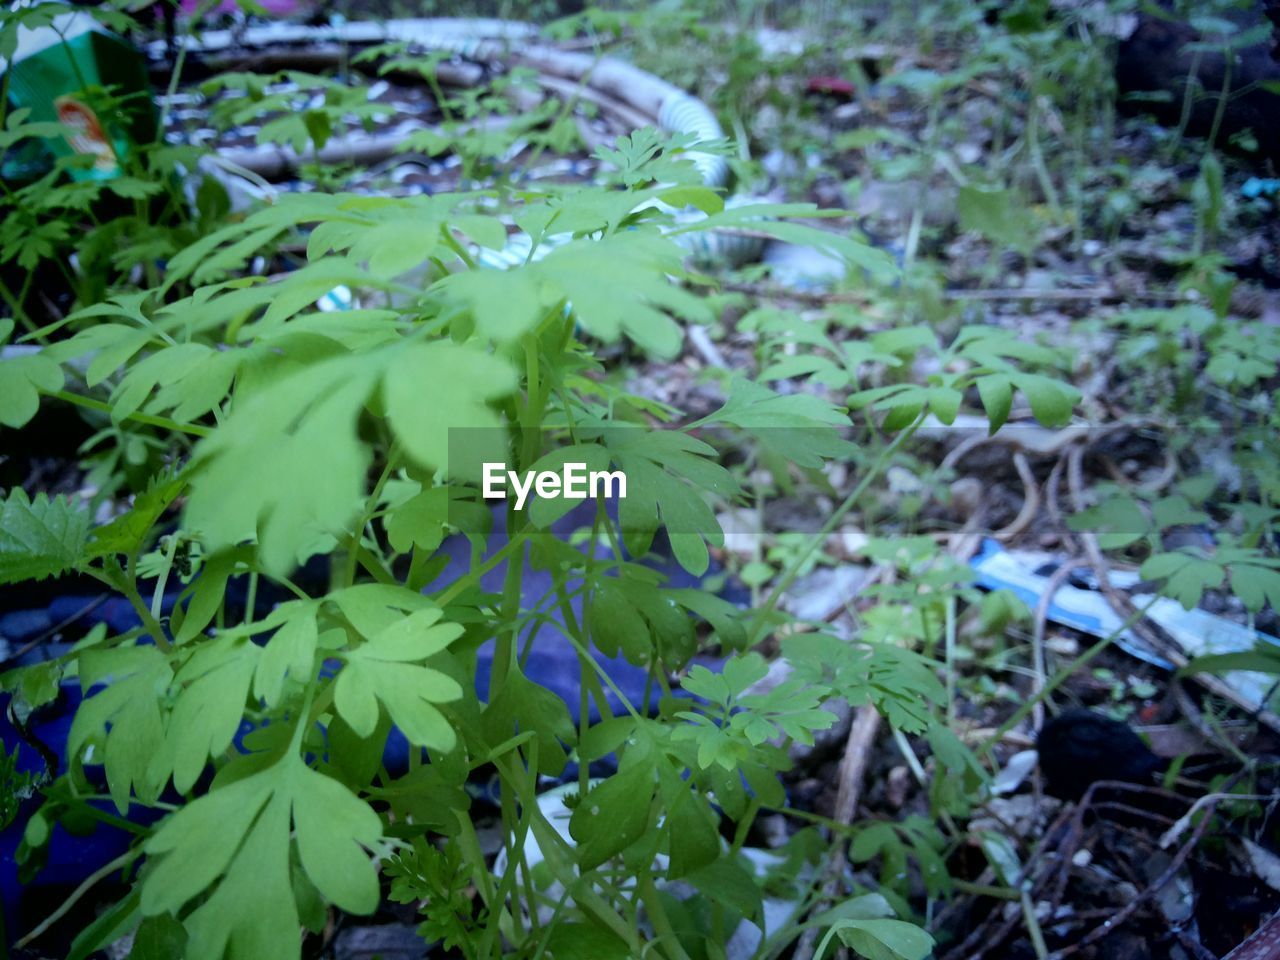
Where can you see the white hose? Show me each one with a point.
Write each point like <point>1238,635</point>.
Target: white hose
<point>673,110</point>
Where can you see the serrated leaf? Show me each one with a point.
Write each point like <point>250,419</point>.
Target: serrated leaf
<point>40,538</point>
<point>127,533</point>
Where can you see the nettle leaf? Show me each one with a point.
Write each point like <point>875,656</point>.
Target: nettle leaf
<point>40,538</point>
<point>386,669</point>
<point>22,379</point>
<point>236,840</point>
<point>128,533</point>
<point>121,726</point>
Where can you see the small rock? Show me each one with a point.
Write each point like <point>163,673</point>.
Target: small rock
<point>902,480</point>
<point>774,828</point>
<point>741,531</point>
<point>966,496</point>
<point>825,591</point>
<point>896,786</point>
<point>1064,646</point>
<point>852,542</point>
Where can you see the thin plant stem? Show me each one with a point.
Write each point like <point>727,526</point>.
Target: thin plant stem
<point>797,562</point>
<point>86,885</point>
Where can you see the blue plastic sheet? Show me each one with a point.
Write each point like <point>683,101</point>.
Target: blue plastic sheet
<point>552,662</point>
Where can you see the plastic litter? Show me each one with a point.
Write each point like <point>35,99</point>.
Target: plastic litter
<point>1196,632</point>
<point>60,72</point>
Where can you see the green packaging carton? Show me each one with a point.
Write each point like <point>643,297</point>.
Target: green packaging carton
<point>74,72</point>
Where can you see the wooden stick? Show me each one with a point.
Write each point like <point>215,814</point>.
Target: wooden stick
<point>1262,944</point>
<point>853,767</point>
<point>1094,295</point>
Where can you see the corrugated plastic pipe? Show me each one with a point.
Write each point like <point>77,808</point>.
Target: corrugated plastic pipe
<point>671,109</point>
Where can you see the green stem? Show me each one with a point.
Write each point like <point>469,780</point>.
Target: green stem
<point>157,595</point>
<point>473,576</point>
<point>118,863</point>
<point>951,659</point>
<point>818,539</point>
<point>667,935</point>
<point>150,420</point>
<point>1188,99</point>
<point>1037,157</point>
<point>125,582</point>
<point>371,505</point>
<point>1224,95</point>
<point>1061,676</point>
